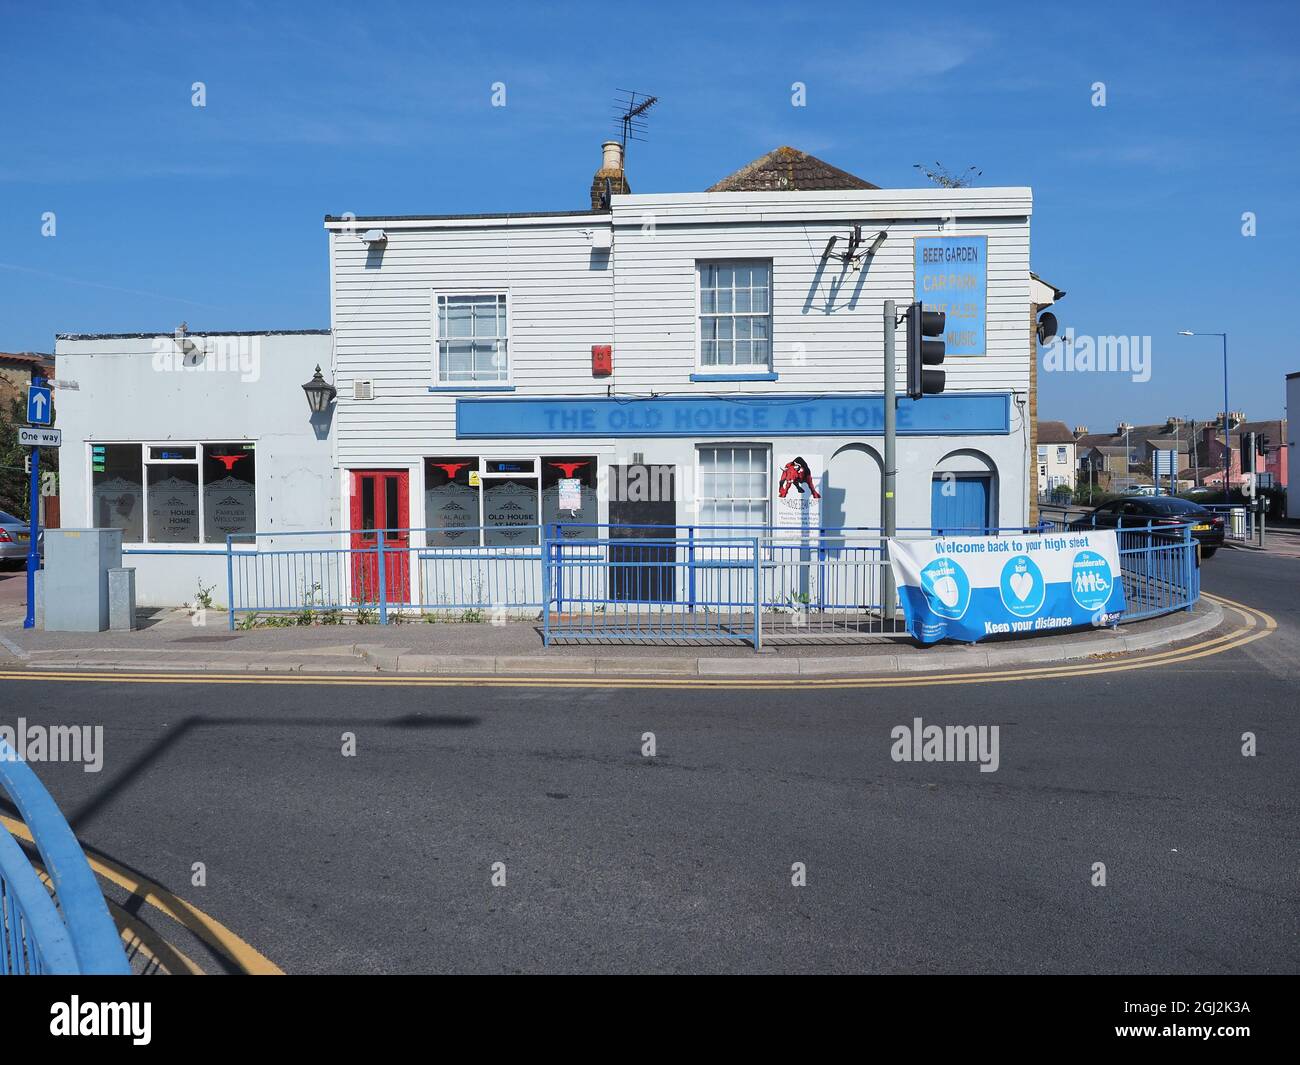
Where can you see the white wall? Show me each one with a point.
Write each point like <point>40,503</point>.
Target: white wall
<point>641,297</point>
<point>246,387</point>
<point>827,322</point>
<point>1292,417</point>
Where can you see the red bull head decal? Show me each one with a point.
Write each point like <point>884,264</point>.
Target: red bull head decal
<point>797,473</point>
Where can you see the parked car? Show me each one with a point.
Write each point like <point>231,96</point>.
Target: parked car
<point>14,534</point>
<point>1207,527</point>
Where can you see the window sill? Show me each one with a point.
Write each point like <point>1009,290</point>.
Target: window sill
<point>184,549</point>
<point>735,377</point>
<point>471,388</point>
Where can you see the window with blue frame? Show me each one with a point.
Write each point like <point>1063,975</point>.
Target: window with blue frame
<point>735,316</point>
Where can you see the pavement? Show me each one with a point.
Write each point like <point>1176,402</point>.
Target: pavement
<point>386,856</point>
<point>196,641</point>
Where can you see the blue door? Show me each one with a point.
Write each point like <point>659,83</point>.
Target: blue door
<point>960,503</point>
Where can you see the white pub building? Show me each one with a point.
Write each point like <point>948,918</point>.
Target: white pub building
<point>673,358</point>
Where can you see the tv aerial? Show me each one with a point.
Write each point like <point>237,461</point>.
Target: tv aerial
<point>854,254</point>
<point>631,112</point>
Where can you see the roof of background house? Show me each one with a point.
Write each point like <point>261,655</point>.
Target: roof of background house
<point>1181,442</point>
<point>1054,433</point>
<point>27,358</point>
<point>787,169</point>
<point>1274,428</point>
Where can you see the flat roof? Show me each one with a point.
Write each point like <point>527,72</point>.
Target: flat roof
<point>456,217</point>
<point>196,333</point>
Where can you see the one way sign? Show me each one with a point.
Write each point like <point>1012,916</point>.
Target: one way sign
<point>38,405</point>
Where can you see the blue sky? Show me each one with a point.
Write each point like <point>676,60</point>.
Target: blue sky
<point>167,212</point>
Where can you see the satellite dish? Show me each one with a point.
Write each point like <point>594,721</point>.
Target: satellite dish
<point>1047,327</point>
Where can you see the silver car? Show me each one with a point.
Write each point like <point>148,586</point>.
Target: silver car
<point>14,535</point>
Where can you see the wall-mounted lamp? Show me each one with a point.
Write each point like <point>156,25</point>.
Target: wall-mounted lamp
<point>372,237</point>
<point>320,393</point>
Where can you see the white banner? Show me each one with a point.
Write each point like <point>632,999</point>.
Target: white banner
<point>969,587</point>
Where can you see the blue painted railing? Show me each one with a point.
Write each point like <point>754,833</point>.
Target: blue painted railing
<point>70,933</point>
<point>1160,565</point>
<point>636,582</point>
<point>470,573</point>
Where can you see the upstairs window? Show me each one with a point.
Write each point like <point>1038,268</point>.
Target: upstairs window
<point>735,316</point>
<point>472,340</point>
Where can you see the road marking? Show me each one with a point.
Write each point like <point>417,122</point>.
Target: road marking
<point>207,928</point>
<point>138,937</point>
<point>1259,625</point>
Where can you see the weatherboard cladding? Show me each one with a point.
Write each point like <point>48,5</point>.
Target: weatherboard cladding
<point>563,298</point>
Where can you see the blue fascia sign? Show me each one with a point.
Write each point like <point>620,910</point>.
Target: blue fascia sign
<point>949,414</point>
<point>952,275</point>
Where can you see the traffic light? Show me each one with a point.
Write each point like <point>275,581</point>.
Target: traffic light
<point>1249,449</point>
<point>922,352</point>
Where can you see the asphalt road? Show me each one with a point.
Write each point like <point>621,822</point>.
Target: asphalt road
<point>682,862</point>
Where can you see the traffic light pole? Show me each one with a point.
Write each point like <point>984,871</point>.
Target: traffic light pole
<point>890,475</point>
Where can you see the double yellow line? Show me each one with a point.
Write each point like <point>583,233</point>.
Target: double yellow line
<point>206,927</point>
<point>1255,625</point>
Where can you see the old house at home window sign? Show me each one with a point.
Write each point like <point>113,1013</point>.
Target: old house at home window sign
<point>175,493</point>
<point>477,501</point>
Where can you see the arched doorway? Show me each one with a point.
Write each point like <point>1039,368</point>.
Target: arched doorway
<point>963,493</point>
<point>851,496</point>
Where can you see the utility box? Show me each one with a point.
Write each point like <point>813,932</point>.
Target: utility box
<point>121,599</point>
<point>602,360</point>
<point>75,579</point>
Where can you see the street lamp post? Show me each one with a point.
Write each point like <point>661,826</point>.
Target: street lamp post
<point>1227,438</point>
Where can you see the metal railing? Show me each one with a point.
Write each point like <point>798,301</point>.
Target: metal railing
<point>435,574</point>
<point>1159,565</point>
<point>638,583</point>
<point>1239,521</point>
<point>722,584</point>
<point>69,932</point>
<point>1160,569</point>
<point>640,589</point>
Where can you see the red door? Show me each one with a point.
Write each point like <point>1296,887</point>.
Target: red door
<point>380,500</point>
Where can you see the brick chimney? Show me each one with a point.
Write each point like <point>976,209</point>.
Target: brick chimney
<point>1080,430</point>
<point>611,170</point>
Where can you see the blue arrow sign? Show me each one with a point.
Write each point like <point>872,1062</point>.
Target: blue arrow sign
<point>38,405</point>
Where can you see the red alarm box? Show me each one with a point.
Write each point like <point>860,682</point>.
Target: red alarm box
<point>602,360</point>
